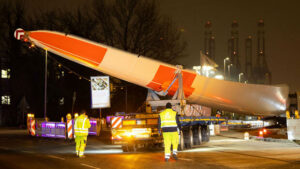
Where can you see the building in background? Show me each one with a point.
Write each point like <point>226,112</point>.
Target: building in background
<point>5,87</point>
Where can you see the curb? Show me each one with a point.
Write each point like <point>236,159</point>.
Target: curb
<point>271,139</point>
<point>267,139</point>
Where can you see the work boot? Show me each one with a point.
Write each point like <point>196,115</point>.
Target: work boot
<point>175,157</point>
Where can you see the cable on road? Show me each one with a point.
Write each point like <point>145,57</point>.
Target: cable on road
<point>89,166</point>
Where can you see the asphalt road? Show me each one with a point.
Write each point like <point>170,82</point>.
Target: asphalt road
<point>19,151</point>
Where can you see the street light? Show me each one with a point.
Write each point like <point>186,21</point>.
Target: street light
<point>240,75</point>
<point>205,70</point>
<point>197,69</point>
<point>226,59</point>
<point>220,77</point>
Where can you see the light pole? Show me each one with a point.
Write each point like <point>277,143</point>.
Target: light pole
<point>240,75</point>
<point>229,70</point>
<point>226,59</point>
<point>45,87</point>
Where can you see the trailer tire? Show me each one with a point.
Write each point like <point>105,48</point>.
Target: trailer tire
<point>133,148</point>
<point>191,136</point>
<point>181,141</point>
<point>197,136</point>
<point>188,138</point>
<point>125,148</point>
<point>205,133</point>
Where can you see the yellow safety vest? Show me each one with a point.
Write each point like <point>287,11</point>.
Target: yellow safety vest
<point>168,118</point>
<point>82,125</point>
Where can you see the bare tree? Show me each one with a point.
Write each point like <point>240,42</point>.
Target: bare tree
<point>136,26</point>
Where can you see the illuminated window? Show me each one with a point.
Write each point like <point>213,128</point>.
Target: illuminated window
<point>5,100</point>
<point>5,73</point>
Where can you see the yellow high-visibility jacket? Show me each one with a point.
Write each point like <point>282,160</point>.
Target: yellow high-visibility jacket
<point>82,125</point>
<point>168,121</point>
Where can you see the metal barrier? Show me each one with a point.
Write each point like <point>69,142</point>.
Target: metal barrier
<point>95,127</point>
<point>60,130</point>
<point>54,129</point>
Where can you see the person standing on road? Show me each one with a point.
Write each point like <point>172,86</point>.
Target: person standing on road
<point>81,127</point>
<point>168,121</point>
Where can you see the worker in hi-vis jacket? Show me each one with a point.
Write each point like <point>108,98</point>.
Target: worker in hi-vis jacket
<point>81,127</point>
<point>169,123</point>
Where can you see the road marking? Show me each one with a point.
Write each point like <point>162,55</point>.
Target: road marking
<point>27,151</point>
<point>89,166</point>
<point>185,159</point>
<point>4,148</point>
<point>51,156</point>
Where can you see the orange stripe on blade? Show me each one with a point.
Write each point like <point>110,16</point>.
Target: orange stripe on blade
<point>71,46</point>
<point>165,75</point>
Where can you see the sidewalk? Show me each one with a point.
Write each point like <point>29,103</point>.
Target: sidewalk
<point>238,134</point>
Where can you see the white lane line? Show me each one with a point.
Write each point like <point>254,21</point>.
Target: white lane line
<point>27,151</point>
<point>185,159</point>
<point>3,148</point>
<point>51,156</point>
<point>89,166</point>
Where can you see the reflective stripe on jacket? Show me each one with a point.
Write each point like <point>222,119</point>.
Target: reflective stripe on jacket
<point>82,125</point>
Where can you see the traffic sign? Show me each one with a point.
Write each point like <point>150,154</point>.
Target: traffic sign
<point>19,33</point>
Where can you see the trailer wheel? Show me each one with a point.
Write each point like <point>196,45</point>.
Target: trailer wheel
<point>132,148</point>
<point>181,141</point>
<point>205,133</point>
<point>188,138</point>
<point>191,138</point>
<point>125,148</point>
<point>197,136</point>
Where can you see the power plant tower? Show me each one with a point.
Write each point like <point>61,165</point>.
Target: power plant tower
<point>209,41</point>
<point>233,47</point>
<point>262,73</point>
<point>248,59</point>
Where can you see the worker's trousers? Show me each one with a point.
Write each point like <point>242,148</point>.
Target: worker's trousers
<point>80,145</point>
<point>170,138</point>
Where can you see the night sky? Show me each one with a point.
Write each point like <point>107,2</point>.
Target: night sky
<point>282,25</point>
<point>282,29</point>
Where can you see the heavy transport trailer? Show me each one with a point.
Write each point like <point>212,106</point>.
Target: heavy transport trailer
<point>143,132</point>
